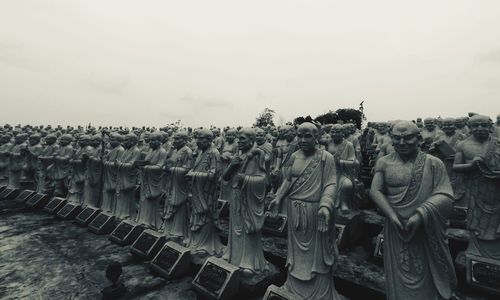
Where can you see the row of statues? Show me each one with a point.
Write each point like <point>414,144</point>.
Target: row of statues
<point>170,180</point>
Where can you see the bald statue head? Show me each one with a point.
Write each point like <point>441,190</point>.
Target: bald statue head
<point>246,139</point>
<point>84,140</point>
<point>130,140</point>
<point>448,126</point>
<point>231,134</point>
<point>260,136</point>
<point>307,135</point>
<point>34,139</point>
<point>405,138</point>
<point>480,127</point>
<point>115,139</point>
<point>155,140</point>
<point>204,139</point>
<point>337,133</point>
<point>180,139</point>
<point>50,139</point>
<point>430,124</point>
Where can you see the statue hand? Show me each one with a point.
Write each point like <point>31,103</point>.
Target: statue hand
<point>477,159</point>
<point>236,161</point>
<point>396,221</point>
<point>413,224</point>
<point>273,207</point>
<point>323,219</point>
<point>238,179</point>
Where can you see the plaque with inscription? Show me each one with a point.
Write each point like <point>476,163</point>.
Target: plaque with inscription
<point>102,224</point>
<point>25,195</point>
<point>379,246</point>
<point>339,232</point>
<point>9,193</point>
<point>275,225</point>
<point>126,232</point>
<point>54,205</point>
<point>87,215</point>
<point>147,244</point>
<point>458,217</point>
<point>483,273</point>
<point>276,293</point>
<point>217,279</point>
<point>172,261</point>
<point>69,211</point>
<point>37,201</point>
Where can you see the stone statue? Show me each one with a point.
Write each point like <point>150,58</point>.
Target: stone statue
<point>478,157</point>
<point>203,237</point>
<point>34,150</point>
<point>93,173</point>
<point>264,145</point>
<point>229,149</point>
<point>247,174</point>
<point>345,160</point>
<point>78,166</point>
<point>17,160</point>
<point>5,147</point>
<point>496,130</point>
<point>152,183</point>
<point>44,166</point>
<point>413,191</point>
<point>110,172</point>
<point>461,125</point>
<point>176,220</point>
<point>308,192</point>
<point>62,165</point>
<point>127,179</point>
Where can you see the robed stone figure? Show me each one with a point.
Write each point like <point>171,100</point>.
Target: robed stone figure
<point>110,173</point>
<point>126,181</point>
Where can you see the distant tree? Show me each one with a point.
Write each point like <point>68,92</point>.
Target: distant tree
<point>265,118</point>
<point>346,115</point>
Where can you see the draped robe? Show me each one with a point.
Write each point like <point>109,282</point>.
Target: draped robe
<point>152,189</point>
<point>17,162</point>
<point>176,211</point>
<point>420,267</point>
<point>44,169</point>
<point>345,174</point>
<point>93,178</point>
<point>110,174</point>
<point>77,178</point>
<point>311,184</point>
<point>126,183</point>
<point>4,163</point>
<point>61,170</point>
<point>246,215</point>
<point>228,150</point>
<point>203,235</point>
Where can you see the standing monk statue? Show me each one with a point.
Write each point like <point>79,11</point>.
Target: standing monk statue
<point>17,160</point>
<point>62,166</point>
<point>78,167</point>
<point>478,157</point>
<point>229,149</point>
<point>44,167</point>
<point>308,192</point>
<point>5,146</point>
<point>176,209</point>
<point>413,191</point>
<point>127,176</point>
<point>93,173</point>
<point>152,183</point>
<point>248,178</point>
<point>110,172</point>
<point>203,236</point>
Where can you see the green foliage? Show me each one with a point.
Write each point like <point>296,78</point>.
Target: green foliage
<point>265,118</point>
<point>346,115</point>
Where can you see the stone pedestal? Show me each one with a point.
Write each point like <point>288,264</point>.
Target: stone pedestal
<point>126,232</point>
<point>483,273</point>
<point>87,215</point>
<point>25,195</point>
<point>147,244</point>
<point>217,279</point>
<point>102,224</point>
<point>172,261</point>
<point>37,201</point>
<point>69,211</point>
<point>55,205</point>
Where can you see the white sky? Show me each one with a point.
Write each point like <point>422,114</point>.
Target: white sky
<point>152,62</point>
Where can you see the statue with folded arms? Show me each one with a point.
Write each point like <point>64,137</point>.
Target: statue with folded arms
<point>110,172</point>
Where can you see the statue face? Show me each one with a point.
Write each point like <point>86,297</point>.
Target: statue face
<point>337,134</point>
<point>34,140</point>
<point>154,142</point>
<point>129,142</point>
<point>50,140</point>
<point>230,136</point>
<point>245,143</point>
<point>179,141</point>
<point>480,128</point>
<point>20,138</point>
<point>260,137</point>
<point>405,139</point>
<point>459,123</point>
<point>290,134</point>
<point>64,141</point>
<point>448,127</point>
<point>83,142</point>
<point>204,141</point>
<point>430,125</point>
<point>4,139</point>
<point>383,129</point>
<point>306,139</point>
<point>114,142</point>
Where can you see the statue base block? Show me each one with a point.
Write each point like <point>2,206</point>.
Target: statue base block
<point>217,279</point>
<point>172,261</point>
<point>102,224</point>
<point>69,211</point>
<point>147,244</point>
<point>275,225</point>
<point>37,201</point>
<point>25,195</point>
<point>55,205</point>
<point>458,217</point>
<point>276,293</point>
<point>9,193</point>
<point>256,284</point>
<point>87,215</point>
<point>126,232</point>
<point>483,273</point>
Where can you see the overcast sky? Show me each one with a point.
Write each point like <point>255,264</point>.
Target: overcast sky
<point>119,62</point>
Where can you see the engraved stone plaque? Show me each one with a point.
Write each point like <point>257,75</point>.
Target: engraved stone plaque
<point>217,279</point>
<point>172,261</point>
<point>102,224</point>
<point>275,225</point>
<point>147,244</point>
<point>126,232</point>
<point>69,211</point>
<point>54,205</point>
<point>25,195</point>
<point>483,273</point>
<point>37,201</point>
<point>87,215</point>
<point>275,293</point>
<point>379,246</point>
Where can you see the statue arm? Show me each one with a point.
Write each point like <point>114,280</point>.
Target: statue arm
<point>377,194</point>
<point>459,164</point>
